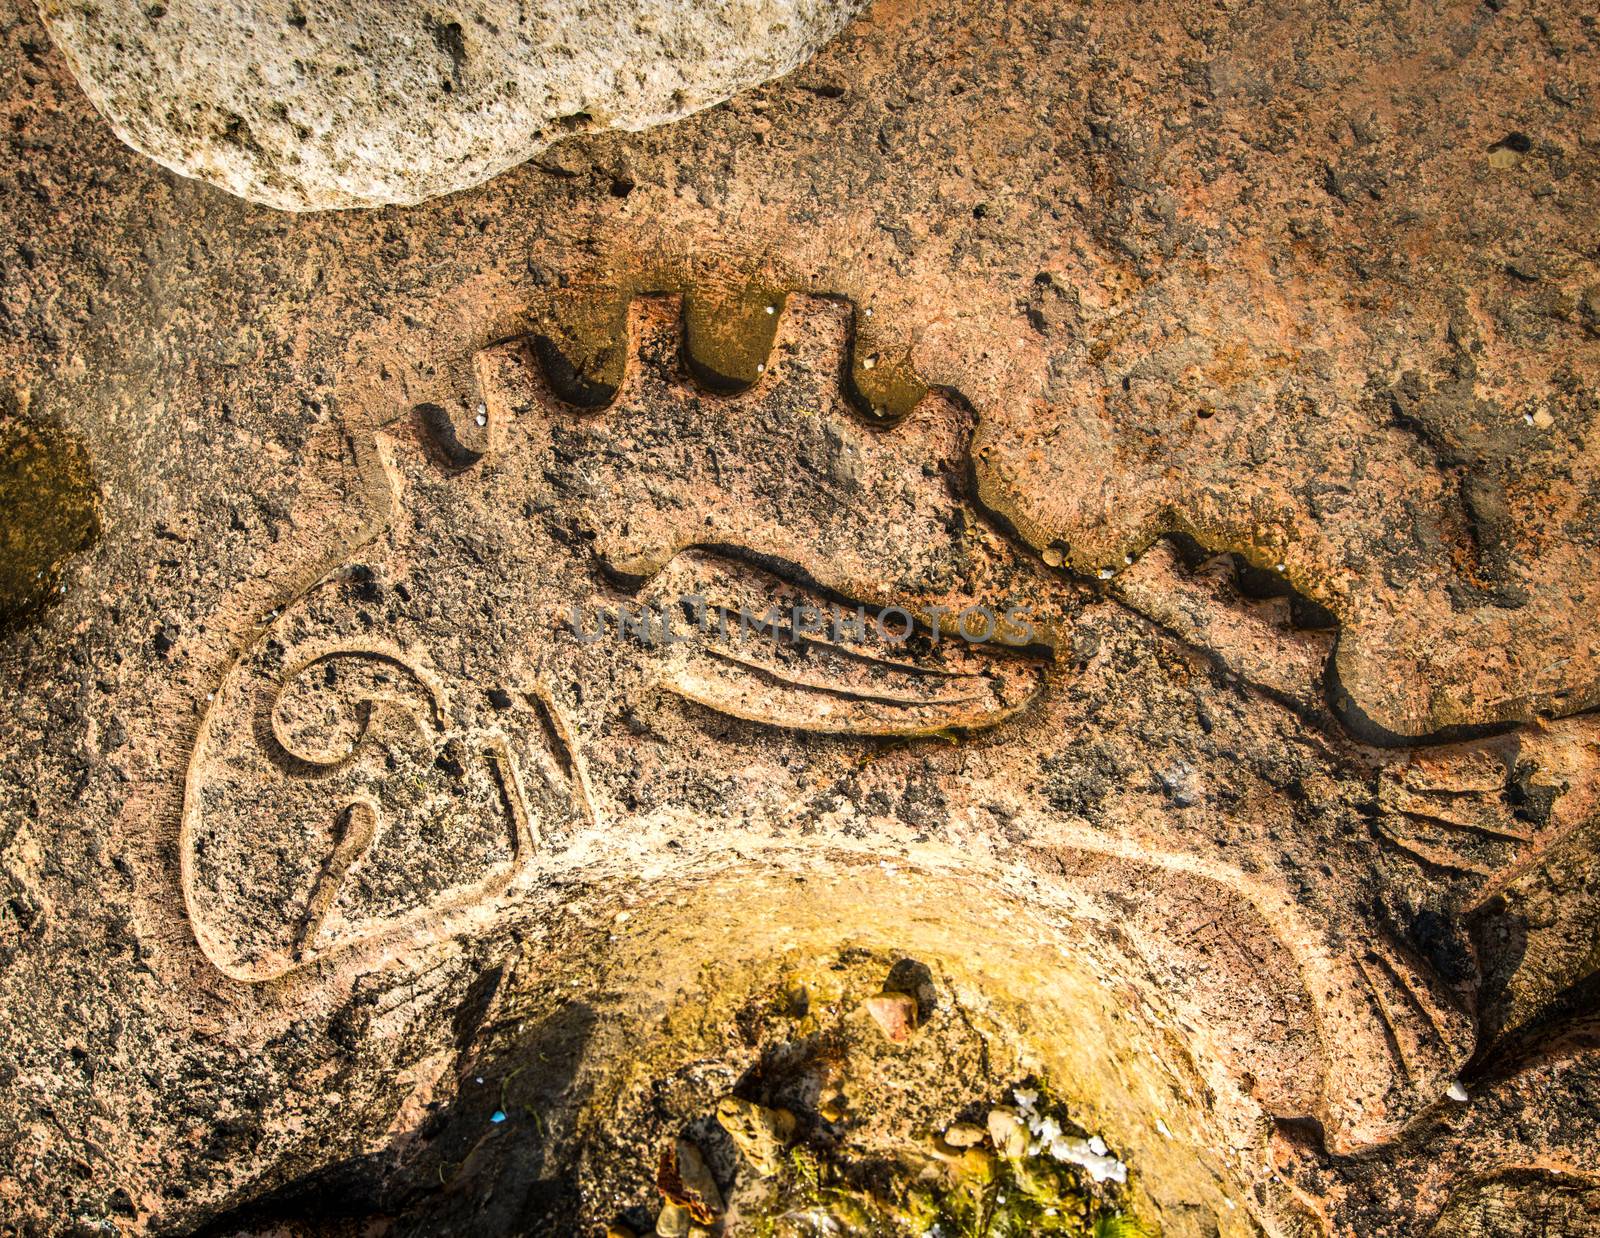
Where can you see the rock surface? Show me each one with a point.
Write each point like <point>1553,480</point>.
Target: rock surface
<point>325,841</point>
<point>349,103</point>
<point>760,1133</point>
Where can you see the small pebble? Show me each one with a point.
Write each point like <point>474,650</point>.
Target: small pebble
<point>1457,1093</point>
<point>761,1134</point>
<point>1008,1132</point>
<point>673,1222</point>
<point>696,1176</point>
<point>894,1013</point>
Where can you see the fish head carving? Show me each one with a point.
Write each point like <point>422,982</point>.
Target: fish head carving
<point>399,746</point>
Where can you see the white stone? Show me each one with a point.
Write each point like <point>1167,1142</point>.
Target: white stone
<point>309,104</point>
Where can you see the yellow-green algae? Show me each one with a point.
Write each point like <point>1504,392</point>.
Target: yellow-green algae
<point>728,331</point>
<point>49,510</point>
<point>981,1195</point>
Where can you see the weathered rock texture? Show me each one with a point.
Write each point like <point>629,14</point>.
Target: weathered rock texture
<point>1252,350</point>
<point>340,103</point>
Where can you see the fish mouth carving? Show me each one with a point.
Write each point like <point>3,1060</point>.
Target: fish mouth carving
<point>846,673</point>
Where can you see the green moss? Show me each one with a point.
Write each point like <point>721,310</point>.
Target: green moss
<point>980,1195</point>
